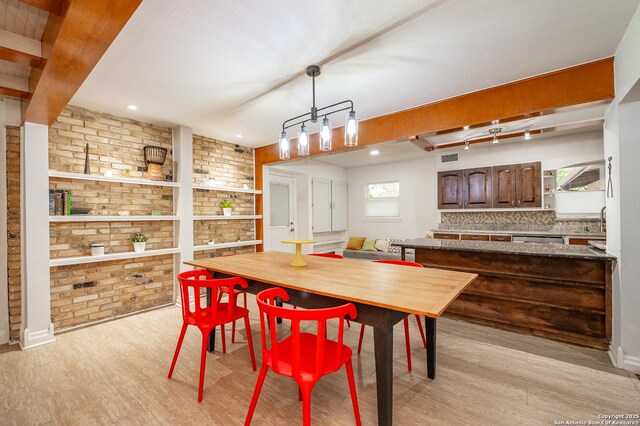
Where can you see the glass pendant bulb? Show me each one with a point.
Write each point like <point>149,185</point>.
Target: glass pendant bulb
<point>325,135</point>
<point>351,130</point>
<point>283,142</point>
<point>303,141</point>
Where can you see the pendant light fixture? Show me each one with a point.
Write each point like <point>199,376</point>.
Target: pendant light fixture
<point>350,128</point>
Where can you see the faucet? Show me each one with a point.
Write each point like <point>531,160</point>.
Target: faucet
<point>603,224</point>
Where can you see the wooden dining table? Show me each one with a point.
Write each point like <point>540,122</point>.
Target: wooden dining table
<point>383,295</point>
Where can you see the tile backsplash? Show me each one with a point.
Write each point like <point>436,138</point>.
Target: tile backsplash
<point>544,217</point>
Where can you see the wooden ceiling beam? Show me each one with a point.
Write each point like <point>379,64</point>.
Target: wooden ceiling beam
<point>72,46</point>
<point>52,6</point>
<point>14,93</point>
<point>20,50</point>
<point>581,84</point>
<point>18,57</point>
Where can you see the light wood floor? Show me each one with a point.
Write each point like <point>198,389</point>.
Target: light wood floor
<point>115,373</point>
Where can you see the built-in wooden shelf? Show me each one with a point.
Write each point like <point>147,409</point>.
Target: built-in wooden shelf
<point>91,218</point>
<point>226,189</point>
<point>116,179</point>
<point>62,261</point>
<point>232,217</point>
<point>206,247</point>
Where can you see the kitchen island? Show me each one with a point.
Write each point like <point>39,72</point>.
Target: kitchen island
<point>556,291</point>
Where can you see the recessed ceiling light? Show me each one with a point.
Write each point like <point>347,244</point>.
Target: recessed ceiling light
<point>132,107</point>
<point>239,136</point>
<point>374,152</point>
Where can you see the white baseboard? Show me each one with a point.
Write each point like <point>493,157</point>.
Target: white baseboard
<point>33,339</point>
<point>625,362</point>
<point>632,363</point>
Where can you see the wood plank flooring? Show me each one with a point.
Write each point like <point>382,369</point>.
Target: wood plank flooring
<point>115,373</point>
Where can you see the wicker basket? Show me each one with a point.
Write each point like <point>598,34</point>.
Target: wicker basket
<point>154,157</point>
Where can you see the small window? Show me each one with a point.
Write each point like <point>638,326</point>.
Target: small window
<point>382,201</point>
<point>581,177</point>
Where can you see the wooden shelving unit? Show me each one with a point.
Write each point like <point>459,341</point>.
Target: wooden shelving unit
<point>226,189</point>
<point>207,247</point>
<point>92,218</point>
<point>114,179</point>
<point>62,261</point>
<point>232,217</point>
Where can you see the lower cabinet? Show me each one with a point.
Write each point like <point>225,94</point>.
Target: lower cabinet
<point>445,236</point>
<point>474,237</point>
<point>503,238</point>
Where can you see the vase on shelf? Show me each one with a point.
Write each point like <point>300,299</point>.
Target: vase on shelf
<point>139,247</point>
<point>226,211</point>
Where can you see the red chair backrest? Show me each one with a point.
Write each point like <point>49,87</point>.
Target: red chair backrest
<point>399,262</point>
<point>331,255</point>
<point>269,312</point>
<point>192,283</point>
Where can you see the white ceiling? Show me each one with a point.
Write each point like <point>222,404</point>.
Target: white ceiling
<point>237,67</point>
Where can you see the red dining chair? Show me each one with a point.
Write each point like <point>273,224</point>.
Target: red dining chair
<point>331,255</point>
<point>305,357</point>
<point>236,291</point>
<point>406,319</point>
<point>207,318</point>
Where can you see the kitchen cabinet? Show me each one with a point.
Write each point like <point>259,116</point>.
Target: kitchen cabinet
<point>329,205</point>
<point>474,237</point>
<point>583,241</point>
<point>503,238</point>
<point>504,186</point>
<point>445,236</point>
<point>450,191</point>
<point>528,185</point>
<point>476,187</point>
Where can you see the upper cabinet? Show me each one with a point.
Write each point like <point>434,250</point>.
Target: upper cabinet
<point>504,186</point>
<point>528,185</point>
<point>477,188</point>
<point>450,192</point>
<point>508,186</point>
<point>329,205</point>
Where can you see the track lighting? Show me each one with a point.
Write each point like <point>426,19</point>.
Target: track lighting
<point>495,132</point>
<point>527,133</point>
<point>466,145</point>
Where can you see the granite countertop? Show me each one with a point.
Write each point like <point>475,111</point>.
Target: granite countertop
<point>521,232</point>
<point>598,244</point>
<point>534,249</point>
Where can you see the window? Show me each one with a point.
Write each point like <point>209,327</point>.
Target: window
<point>382,201</point>
<point>581,177</point>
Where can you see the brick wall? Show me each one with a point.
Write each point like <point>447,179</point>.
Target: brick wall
<point>89,292</point>
<point>13,230</point>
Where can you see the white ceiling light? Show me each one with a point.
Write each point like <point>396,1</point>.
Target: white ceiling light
<point>239,136</point>
<point>495,132</point>
<point>350,127</point>
<point>132,107</point>
<point>527,133</point>
<point>466,145</point>
<point>374,152</point>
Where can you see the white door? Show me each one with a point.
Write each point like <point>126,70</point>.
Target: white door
<point>338,206</point>
<point>321,204</point>
<point>281,212</point>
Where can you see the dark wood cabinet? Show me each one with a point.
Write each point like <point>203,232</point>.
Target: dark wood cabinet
<point>474,237</point>
<point>583,241</point>
<point>476,188</point>
<point>503,238</point>
<point>528,185</point>
<point>450,193</point>
<point>443,236</point>
<point>504,186</point>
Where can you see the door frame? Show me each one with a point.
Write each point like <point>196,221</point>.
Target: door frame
<point>266,197</point>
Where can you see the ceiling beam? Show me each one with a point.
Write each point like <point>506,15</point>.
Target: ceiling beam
<point>20,50</point>
<point>581,84</point>
<point>14,93</point>
<point>52,6</point>
<point>72,46</point>
<point>421,143</point>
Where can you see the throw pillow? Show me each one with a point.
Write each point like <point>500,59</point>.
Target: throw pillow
<point>369,245</point>
<point>355,243</point>
<point>394,249</point>
<point>382,245</point>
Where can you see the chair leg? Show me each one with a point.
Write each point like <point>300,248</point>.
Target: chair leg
<point>407,341</point>
<point>203,363</point>
<point>306,405</point>
<point>233,332</point>
<point>361,336</point>
<point>348,323</point>
<point>424,339</point>
<point>178,346</point>
<point>256,394</point>
<point>224,340</point>
<point>247,327</point>
<point>352,389</point>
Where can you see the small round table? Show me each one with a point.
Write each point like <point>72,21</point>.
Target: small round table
<point>298,260</point>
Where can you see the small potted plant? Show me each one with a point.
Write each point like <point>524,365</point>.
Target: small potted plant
<point>226,205</point>
<point>139,242</point>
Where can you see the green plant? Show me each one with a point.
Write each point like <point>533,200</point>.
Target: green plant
<point>140,238</point>
<point>226,204</point>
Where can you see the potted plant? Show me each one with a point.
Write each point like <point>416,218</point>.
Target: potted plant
<point>226,205</point>
<point>139,242</point>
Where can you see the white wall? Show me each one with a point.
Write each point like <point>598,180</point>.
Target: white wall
<point>418,200</point>
<point>622,143</point>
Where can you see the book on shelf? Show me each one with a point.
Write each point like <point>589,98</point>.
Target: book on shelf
<point>60,202</point>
